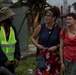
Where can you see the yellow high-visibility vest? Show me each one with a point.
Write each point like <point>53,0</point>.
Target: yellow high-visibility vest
<point>8,47</point>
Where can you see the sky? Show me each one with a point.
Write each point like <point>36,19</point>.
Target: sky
<point>60,2</point>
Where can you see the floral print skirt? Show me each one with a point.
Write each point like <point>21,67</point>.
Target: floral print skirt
<point>53,65</point>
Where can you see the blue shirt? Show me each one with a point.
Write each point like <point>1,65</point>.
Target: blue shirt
<point>54,38</point>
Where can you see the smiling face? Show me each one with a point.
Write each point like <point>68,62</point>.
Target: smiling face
<point>70,21</point>
<point>49,17</point>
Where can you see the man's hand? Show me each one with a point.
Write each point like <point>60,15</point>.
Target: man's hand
<point>15,62</point>
<point>7,63</point>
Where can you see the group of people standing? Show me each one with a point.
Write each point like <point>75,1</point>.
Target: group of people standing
<point>58,44</point>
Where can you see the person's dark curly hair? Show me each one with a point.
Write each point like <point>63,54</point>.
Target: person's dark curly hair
<point>55,10</point>
<point>72,14</point>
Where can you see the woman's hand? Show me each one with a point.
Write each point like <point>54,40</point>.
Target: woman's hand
<point>40,47</point>
<point>47,55</point>
<point>63,66</point>
<point>52,48</point>
<point>15,62</point>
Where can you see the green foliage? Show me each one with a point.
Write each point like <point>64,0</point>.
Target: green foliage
<point>1,3</point>
<point>29,38</point>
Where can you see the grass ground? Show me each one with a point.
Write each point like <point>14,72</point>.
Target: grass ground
<point>26,65</point>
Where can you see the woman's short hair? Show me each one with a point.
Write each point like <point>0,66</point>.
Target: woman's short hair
<point>72,14</point>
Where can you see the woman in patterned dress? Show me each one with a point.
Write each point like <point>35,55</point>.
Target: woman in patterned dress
<point>49,47</point>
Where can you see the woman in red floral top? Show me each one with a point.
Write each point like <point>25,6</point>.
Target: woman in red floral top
<point>68,45</point>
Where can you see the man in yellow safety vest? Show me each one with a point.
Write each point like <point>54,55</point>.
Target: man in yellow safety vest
<point>9,44</point>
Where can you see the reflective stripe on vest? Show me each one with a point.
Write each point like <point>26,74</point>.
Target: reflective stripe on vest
<point>10,53</point>
<point>8,47</point>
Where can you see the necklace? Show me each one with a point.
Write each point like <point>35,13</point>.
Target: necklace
<point>49,32</point>
<point>73,32</point>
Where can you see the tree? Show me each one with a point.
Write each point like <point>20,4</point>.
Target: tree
<point>36,7</point>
